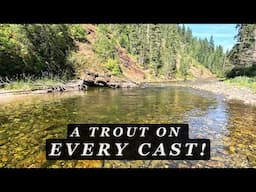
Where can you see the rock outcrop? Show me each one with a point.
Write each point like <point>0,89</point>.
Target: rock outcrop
<point>91,79</point>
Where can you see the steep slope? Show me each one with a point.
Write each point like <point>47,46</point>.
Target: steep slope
<point>130,69</point>
<point>200,72</point>
<point>90,65</point>
<point>91,68</point>
<point>194,70</point>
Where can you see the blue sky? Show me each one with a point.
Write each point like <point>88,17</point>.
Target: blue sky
<point>223,34</point>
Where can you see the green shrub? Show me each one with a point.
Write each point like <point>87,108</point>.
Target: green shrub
<point>113,66</point>
<point>78,32</point>
<point>35,48</point>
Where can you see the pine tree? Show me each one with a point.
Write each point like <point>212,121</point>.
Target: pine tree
<point>243,54</point>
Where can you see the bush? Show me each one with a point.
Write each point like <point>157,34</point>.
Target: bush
<point>78,32</point>
<point>249,71</point>
<point>113,66</point>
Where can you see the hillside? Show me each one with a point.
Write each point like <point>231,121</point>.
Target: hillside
<point>89,62</point>
<point>111,55</point>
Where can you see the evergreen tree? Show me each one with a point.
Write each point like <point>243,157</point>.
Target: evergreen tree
<point>37,48</point>
<point>243,54</point>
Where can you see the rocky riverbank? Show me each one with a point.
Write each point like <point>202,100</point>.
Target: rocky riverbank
<point>229,91</point>
<point>89,79</point>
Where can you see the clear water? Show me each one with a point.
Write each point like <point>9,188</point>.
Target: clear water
<point>26,122</point>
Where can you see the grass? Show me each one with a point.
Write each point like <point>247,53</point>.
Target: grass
<point>29,84</point>
<point>243,81</point>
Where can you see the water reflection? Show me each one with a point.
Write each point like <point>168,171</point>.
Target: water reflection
<point>27,122</point>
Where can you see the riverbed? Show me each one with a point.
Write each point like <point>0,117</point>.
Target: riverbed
<point>27,121</point>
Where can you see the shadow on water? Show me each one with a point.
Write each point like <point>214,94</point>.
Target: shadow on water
<point>27,122</point>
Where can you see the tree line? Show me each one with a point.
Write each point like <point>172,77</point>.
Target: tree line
<point>161,47</point>
<point>165,49</point>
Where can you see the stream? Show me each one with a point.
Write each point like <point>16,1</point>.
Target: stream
<point>27,121</point>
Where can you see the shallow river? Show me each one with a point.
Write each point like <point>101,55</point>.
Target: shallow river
<point>26,122</point>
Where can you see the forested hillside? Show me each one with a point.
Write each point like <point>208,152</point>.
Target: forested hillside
<point>161,51</point>
<point>166,49</point>
<point>243,54</point>
<point>37,49</point>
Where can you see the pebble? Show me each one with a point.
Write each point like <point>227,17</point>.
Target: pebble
<point>230,92</point>
<point>3,141</point>
<point>216,158</point>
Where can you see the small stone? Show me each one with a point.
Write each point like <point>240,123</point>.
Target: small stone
<point>232,149</point>
<point>181,165</point>
<point>3,141</point>
<point>216,158</point>
<point>18,149</point>
<point>4,158</point>
<point>54,166</point>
